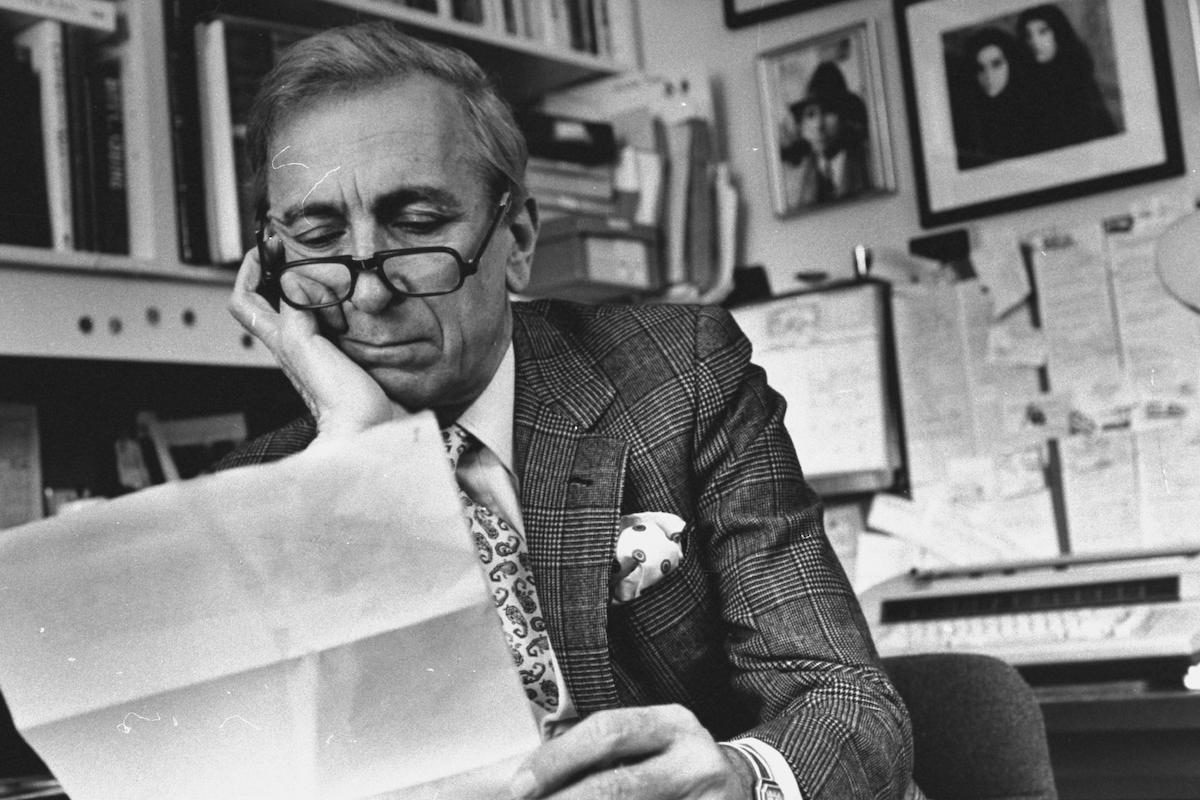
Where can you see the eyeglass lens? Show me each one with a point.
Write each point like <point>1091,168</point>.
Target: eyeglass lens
<point>324,283</point>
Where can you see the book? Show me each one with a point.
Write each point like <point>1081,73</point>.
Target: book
<point>24,208</point>
<point>97,14</point>
<point>190,204</point>
<point>77,55</point>
<point>43,40</point>
<point>622,33</point>
<point>20,465</point>
<point>233,55</point>
<point>569,177</point>
<point>109,177</point>
<point>559,137</point>
<point>701,214</point>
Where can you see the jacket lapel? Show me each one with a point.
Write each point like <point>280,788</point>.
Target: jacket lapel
<point>570,485</point>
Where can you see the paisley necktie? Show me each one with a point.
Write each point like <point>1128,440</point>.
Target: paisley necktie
<point>506,567</point>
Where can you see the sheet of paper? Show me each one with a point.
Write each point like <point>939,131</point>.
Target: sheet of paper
<point>1100,487</point>
<point>934,379</point>
<point>313,628</point>
<point>844,526</point>
<point>1168,468</point>
<point>1160,338</point>
<point>998,263</point>
<point>1071,273</point>
<point>991,382</point>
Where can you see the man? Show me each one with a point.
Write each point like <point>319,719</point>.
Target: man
<point>367,142</point>
<point>828,160</point>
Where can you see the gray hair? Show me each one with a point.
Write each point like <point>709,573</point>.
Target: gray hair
<point>370,54</point>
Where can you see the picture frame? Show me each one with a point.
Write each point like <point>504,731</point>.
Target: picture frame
<point>740,13</point>
<point>825,122</point>
<point>1003,117</point>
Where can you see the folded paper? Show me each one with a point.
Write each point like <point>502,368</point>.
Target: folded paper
<point>313,628</point>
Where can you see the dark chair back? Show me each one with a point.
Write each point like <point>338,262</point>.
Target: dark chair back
<point>978,732</point>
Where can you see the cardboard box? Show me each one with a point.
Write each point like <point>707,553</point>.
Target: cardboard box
<point>593,259</point>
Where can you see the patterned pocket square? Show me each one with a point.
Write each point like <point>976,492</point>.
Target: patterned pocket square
<point>648,547</point>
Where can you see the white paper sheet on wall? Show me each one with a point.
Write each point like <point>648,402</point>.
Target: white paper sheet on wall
<point>1071,272</point>
<point>935,385</point>
<point>314,628</point>
<point>1100,487</point>
<point>1160,337</point>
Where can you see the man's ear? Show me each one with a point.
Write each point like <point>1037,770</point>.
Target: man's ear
<point>524,229</point>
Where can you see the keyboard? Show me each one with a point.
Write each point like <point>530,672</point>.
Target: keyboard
<point>1054,612</point>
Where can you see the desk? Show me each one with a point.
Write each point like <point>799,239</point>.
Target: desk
<point>1126,747</point>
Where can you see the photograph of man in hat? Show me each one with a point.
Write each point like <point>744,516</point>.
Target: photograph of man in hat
<point>828,159</point>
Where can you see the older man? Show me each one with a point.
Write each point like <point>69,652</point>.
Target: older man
<point>395,224</point>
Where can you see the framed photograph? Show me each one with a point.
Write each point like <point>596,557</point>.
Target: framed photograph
<point>825,120</point>
<point>740,13</point>
<point>1013,103</point>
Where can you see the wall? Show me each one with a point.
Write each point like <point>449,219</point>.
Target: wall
<point>675,31</point>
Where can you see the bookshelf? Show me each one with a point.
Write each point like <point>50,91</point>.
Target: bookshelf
<point>48,289</point>
<point>94,332</point>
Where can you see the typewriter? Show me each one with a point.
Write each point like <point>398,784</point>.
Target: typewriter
<point>1075,619</point>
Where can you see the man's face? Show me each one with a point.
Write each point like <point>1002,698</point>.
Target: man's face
<point>822,127</point>
<point>387,168</point>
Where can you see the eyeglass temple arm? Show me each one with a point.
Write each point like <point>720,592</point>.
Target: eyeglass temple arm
<point>502,211</point>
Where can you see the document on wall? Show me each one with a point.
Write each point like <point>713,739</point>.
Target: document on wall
<point>1168,467</point>
<point>1100,485</point>
<point>1160,337</point>
<point>1071,273</point>
<point>313,628</point>
<point>935,383</point>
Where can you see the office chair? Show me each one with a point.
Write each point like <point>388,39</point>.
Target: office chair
<point>978,732</point>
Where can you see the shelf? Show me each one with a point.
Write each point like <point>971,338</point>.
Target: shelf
<point>79,261</point>
<point>525,69</point>
<point>122,315</point>
<point>148,306</point>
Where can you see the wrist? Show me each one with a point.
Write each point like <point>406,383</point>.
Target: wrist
<point>753,773</point>
<point>741,766</point>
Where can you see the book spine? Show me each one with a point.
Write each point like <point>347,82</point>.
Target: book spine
<point>112,206</point>
<point>97,14</point>
<point>185,132</point>
<point>44,41</point>
<point>623,33</point>
<point>216,139</point>
<point>77,55</point>
<point>24,212</point>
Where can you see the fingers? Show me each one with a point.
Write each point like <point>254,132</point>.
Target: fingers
<point>250,308</point>
<point>658,751</point>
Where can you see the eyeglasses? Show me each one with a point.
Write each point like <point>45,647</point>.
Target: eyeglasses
<point>408,272</point>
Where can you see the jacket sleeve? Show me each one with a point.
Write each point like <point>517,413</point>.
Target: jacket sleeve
<point>798,644</point>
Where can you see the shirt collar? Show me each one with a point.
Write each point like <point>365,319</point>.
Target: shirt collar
<point>490,417</point>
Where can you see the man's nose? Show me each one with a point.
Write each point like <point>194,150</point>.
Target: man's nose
<point>371,295</point>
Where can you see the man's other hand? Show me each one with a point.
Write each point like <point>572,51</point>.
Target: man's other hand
<point>342,397</point>
<point>643,753</point>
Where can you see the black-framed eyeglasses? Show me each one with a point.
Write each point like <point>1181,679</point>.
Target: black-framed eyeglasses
<point>429,271</point>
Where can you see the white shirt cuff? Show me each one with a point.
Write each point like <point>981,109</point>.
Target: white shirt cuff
<point>777,765</point>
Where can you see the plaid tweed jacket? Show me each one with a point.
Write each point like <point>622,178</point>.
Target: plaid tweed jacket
<point>657,408</point>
